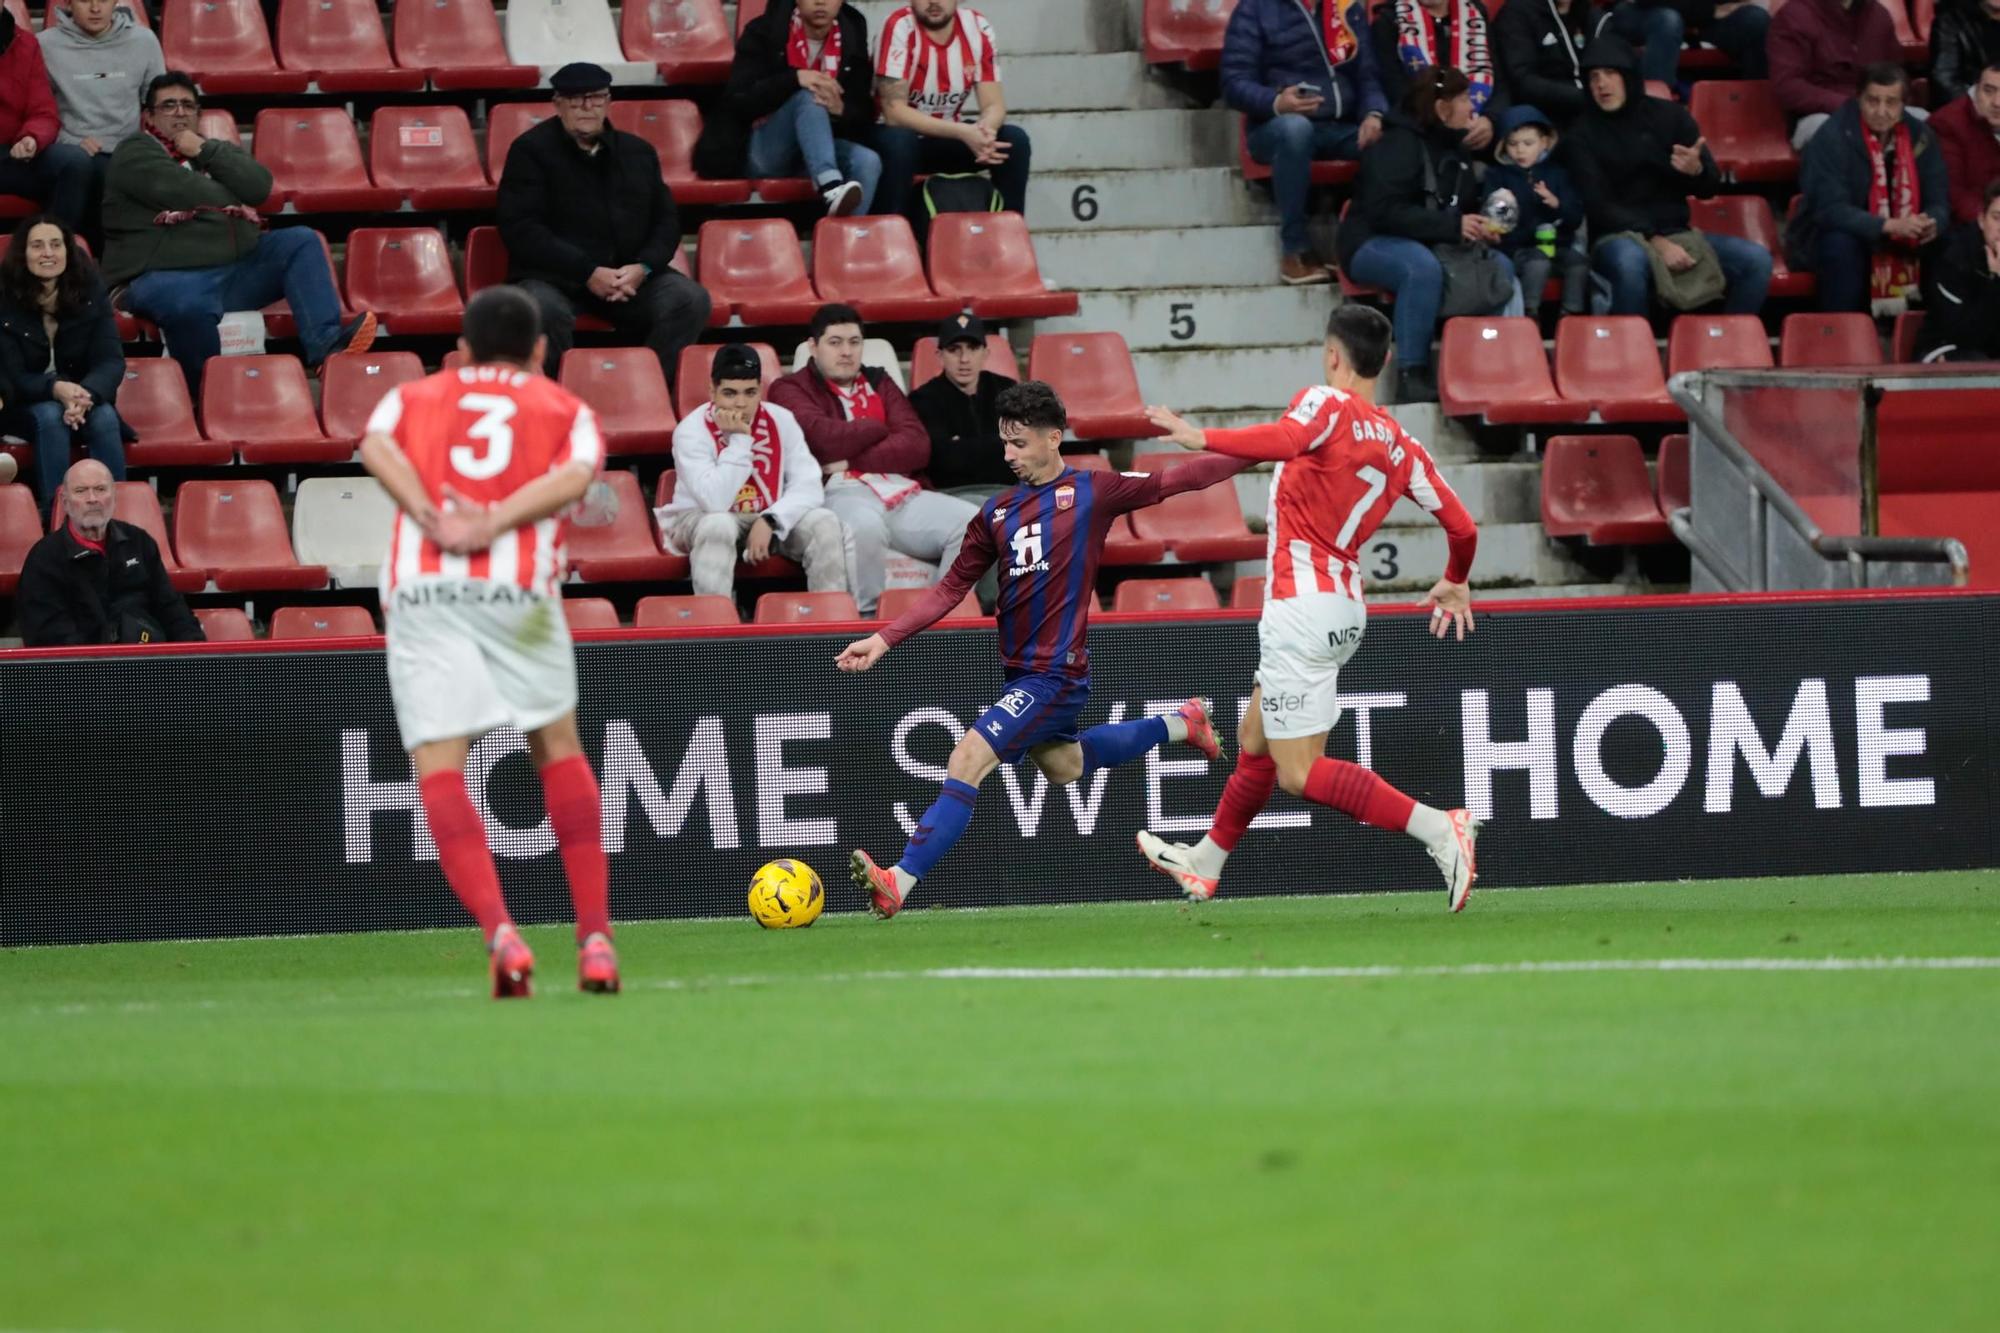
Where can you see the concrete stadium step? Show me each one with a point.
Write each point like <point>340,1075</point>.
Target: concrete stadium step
<point>1107,81</point>
<point>1040,27</point>
<point>1177,199</point>
<point>1518,554</point>
<point>1139,260</point>
<point>1492,492</point>
<point>1129,140</point>
<point>1258,379</point>
<point>1174,318</point>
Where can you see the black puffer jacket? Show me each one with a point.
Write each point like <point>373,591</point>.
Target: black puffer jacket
<point>1962,301</point>
<point>1963,41</point>
<point>87,352</point>
<point>1389,195</point>
<point>1536,49</point>
<point>762,80</point>
<point>1623,160</point>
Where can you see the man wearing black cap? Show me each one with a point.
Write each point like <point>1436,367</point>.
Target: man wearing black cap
<point>957,408</point>
<point>590,226</point>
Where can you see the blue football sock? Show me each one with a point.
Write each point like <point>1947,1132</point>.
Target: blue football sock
<point>940,827</point>
<point>1117,743</point>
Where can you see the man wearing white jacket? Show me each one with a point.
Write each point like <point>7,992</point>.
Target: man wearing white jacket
<point>746,481</point>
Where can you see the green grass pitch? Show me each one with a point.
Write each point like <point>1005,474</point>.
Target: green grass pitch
<point>812,1129</point>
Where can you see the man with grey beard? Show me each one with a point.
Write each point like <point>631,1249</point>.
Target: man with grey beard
<point>96,580</point>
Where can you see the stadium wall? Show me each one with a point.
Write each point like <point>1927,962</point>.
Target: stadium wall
<point>191,793</point>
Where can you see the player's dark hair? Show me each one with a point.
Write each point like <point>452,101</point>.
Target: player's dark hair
<point>1363,332</point>
<point>501,324</point>
<point>735,362</point>
<point>1884,74</point>
<point>173,78</point>
<point>1032,404</point>
<point>830,314</point>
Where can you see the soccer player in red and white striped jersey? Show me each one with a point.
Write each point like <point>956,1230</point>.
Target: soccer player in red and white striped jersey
<point>1342,464</point>
<point>484,463</point>
<point>933,58</point>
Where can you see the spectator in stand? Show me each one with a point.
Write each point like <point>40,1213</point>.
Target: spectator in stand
<point>1637,160</point>
<point>800,102</point>
<point>100,61</point>
<point>35,164</point>
<point>1818,50</point>
<point>870,444</point>
<point>745,482</point>
<point>959,409</point>
<point>1965,39</point>
<point>1550,211</point>
<point>1305,78</point>
<point>1968,134</point>
<point>1737,28</point>
<point>590,226</point>
<point>1962,290</point>
<point>1417,191</point>
<point>181,228</point>
<point>934,57</point>
<point>96,580</point>
<point>60,360</point>
<point>1413,35</point>
<point>1540,43</point>
<point>1875,201</point>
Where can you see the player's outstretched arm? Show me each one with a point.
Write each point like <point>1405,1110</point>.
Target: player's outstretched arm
<point>1177,428</point>
<point>388,464</point>
<point>862,653</point>
<point>975,556</point>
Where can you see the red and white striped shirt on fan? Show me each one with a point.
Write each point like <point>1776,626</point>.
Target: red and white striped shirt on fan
<point>485,431</point>
<point>941,75</point>
<point>1342,465</point>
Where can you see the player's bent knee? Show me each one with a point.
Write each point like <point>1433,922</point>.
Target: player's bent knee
<point>1061,764</point>
<point>972,760</point>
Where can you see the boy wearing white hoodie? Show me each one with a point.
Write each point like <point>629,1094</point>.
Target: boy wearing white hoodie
<point>100,61</point>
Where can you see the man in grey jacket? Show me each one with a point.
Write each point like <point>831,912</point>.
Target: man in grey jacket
<point>100,61</point>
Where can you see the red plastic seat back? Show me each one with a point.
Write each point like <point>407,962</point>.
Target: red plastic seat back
<point>692,609</point>
<point>351,387</point>
<point>1671,485</point>
<point>230,524</point>
<point>225,624</point>
<point>1592,479</point>
<point>590,613</point>
<point>671,125</point>
<point>623,386</point>
<point>804,608</point>
<point>257,398</point>
<point>1248,594</point>
<point>400,268</point>
<point>154,401</point>
<point>671,31</point>
<point>507,122</point>
<point>748,12</point>
<point>1494,359</point>
<point>750,258</point>
<point>321,622</point>
<point>1190,594</point>
<point>895,601</point>
<point>485,260</point>
<point>1000,359</point>
<point>1814,339</point>
<point>1718,342</point>
<point>310,148</point>
<point>1612,356</point>
<point>423,147</point>
<point>694,387</point>
<point>20,529</point>
<point>629,534</point>
<point>449,34</point>
<point>1185,32</point>
<point>210,36</point>
<point>982,254</point>
<point>332,35</point>
<point>1090,372</point>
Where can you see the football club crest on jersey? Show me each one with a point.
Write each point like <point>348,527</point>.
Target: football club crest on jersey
<point>999,513</point>
<point>1065,496</point>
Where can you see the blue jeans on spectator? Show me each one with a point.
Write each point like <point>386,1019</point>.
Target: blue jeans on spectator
<point>1409,270</point>
<point>42,425</point>
<point>798,140</point>
<point>1628,270</point>
<point>904,153</point>
<point>1661,30</point>
<point>1289,145</point>
<point>188,303</point>
<point>58,176</point>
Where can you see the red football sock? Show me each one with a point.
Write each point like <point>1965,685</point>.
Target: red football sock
<point>462,851</point>
<point>570,790</point>
<point>1354,790</point>
<point>1249,789</point>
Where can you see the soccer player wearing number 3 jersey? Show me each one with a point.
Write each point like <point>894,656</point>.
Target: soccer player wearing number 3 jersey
<point>1342,463</point>
<point>1047,533</point>
<point>484,462</point>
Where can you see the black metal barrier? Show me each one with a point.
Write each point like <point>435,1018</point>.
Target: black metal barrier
<point>186,795</point>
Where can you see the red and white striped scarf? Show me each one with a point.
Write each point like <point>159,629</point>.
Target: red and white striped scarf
<point>767,461</point>
<point>173,217</point>
<point>860,401</point>
<point>798,51</point>
<point>1894,274</point>
<point>1416,44</point>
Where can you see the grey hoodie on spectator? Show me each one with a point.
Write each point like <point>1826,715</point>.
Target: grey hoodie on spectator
<point>98,80</point>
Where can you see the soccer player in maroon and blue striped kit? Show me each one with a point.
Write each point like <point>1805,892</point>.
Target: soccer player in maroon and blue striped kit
<point>1048,533</point>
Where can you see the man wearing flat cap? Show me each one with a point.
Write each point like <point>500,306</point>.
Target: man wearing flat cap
<point>590,226</point>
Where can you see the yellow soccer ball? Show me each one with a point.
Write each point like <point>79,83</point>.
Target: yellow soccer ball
<point>784,894</point>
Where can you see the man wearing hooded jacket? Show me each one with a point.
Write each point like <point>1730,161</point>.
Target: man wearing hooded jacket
<point>1636,160</point>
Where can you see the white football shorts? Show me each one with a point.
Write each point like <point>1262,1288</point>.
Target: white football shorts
<point>466,656</point>
<point>1302,643</point>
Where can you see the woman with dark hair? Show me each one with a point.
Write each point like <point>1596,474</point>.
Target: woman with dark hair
<point>60,362</point>
<point>1417,191</point>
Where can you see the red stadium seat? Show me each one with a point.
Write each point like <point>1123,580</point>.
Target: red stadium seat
<point>20,529</point>
<point>688,609</point>
<point>1248,594</point>
<point>1829,340</point>
<point>236,531</point>
<point>625,388</point>
<point>133,7</point>
<point>350,387</point>
<point>672,125</point>
<point>895,601</point>
<point>1200,527</point>
<point>625,551</point>
<point>1749,217</point>
<point>315,160</point>
<point>1322,173</point>
<point>1185,32</point>
<point>1000,359</point>
<point>693,386</point>
<point>404,275</point>
<point>507,122</point>
<point>688,39</point>
<point>1495,369</point>
<point>138,505</point>
<point>1596,487</point>
<point>322,622</point>
<point>770,567</point>
<point>226,46</point>
<point>154,402</point>
<point>263,406</point>
<point>747,12</point>
<point>1092,373</point>
<point>1746,129</point>
<point>1612,364</point>
<point>342,45</point>
<point>457,44</point>
<point>1185,594</point>
<point>755,265</point>
<point>804,608</point>
<point>1718,342</point>
<point>1916,46</point>
<point>988,261</point>
<point>225,624</point>
<point>872,264</point>
<point>590,613</point>
<point>485,260</point>
<point>428,153</point>
<point>1670,484</point>
<point>1903,340</point>
<point>216,123</point>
